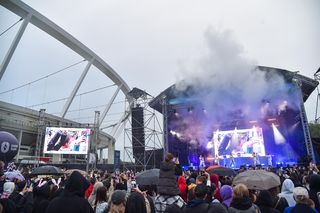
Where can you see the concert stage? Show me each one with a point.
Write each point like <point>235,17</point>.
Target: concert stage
<point>216,122</point>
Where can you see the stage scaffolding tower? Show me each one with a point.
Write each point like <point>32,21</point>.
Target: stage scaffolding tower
<point>40,127</point>
<point>317,78</point>
<point>142,135</point>
<point>304,120</point>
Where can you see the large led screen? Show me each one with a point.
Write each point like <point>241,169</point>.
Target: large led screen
<point>242,142</point>
<point>66,140</point>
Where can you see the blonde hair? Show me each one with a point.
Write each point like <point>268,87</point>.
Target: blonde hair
<point>240,191</point>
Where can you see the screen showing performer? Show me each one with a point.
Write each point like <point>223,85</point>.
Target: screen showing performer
<point>66,140</point>
<point>242,142</point>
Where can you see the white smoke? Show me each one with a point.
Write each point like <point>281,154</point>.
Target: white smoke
<point>226,80</point>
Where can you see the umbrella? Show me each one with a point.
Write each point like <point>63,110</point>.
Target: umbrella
<point>47,170</point>
<point>148,177</point>
<point>11,175</point>
<point>221,171</point>
<point>257,179</point>
<point>213,167</point>
<point>69,171</point>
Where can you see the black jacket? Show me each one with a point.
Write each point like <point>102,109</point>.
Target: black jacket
<point>265,203</point>
<point>314,189</point>
<point>72,198</point>
<point>136,203</point>
<point>69,202</point>
<point>168,184</point>
<point>196,205</point>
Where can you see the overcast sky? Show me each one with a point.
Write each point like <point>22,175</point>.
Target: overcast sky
<point>150,43</point>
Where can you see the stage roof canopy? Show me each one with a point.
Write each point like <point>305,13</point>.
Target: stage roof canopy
<point>308,85</point>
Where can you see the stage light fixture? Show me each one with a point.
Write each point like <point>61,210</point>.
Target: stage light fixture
<point>272,119</point>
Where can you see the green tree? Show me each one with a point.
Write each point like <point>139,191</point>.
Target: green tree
<point>314,130</point>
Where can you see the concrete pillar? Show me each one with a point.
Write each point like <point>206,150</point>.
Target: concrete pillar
<point>19,141</point>
<point>111,147</point>
<point>57,158</point>
<point>101,156</point>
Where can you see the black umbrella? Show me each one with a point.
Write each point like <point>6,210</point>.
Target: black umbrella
<point>257,179</point>
<point>148,177</point>
<point>47,170</point>
<point>222,171</point>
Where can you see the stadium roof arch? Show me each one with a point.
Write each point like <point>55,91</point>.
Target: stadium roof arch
<point>30,15</point>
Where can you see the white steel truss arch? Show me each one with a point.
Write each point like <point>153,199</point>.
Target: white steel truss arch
<point>40,21</point>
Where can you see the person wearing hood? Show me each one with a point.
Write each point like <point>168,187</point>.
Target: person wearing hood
<point>8,188</point>
<point>301,196</point>
<point>183,187</point>
<point>214,178</point>
<point>168,190</point>
<point>314,190</point>
<point>23,197</point>
<point>226,195</point>
<point>90,188</point>
<point>72,198</point>
<point>287,192</point>
<point>241,202</point>
<point>265,203</point>
<point>41,194</point>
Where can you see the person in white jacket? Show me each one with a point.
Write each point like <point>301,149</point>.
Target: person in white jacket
<point>287,192</point>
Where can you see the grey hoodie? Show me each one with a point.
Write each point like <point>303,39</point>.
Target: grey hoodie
<point>287,192</point>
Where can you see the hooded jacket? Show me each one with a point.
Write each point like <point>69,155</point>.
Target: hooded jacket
<point>167,184</point>
<point>226,195</point>
<point>243,205</point>
<point>215,179</point>
<point>287,192</point>
<point>314,189</point>
<point>196,205</point>
<point>183,187</point>
<point>72,198</point>
<point>265,203</point>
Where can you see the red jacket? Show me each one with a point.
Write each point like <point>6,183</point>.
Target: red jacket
<point>88,191</point>
<point>183,187</point>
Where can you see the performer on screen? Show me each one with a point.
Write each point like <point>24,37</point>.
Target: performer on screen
<point>269,160</point>
<point>202,163</point>
<point>232,163</point>
<point>216,160</point>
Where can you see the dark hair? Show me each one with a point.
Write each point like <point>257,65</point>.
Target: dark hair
<point>202,179</point>
<point>168,157</point>
<point>200,191</point>
<point>101,195</point>
<point>92,180</point>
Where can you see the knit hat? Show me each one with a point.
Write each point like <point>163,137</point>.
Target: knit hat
<point>118,196</point>
<point>300,193</point>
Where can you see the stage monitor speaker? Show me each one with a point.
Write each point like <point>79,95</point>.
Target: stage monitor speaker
<point>138,139</point>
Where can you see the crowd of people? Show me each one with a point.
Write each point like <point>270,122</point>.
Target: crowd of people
<point>176,191</point>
